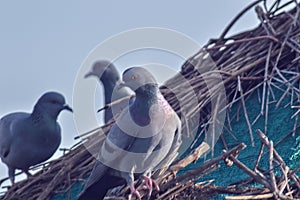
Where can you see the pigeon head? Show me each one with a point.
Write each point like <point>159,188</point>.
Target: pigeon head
<point>104,70</point>
<point>138,77</point>
<point>52,103</point>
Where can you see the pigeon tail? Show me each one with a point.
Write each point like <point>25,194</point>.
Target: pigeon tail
<point>11,175</point>
<point>98,190</point>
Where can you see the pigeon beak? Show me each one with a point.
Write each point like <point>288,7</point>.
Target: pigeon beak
<point>67,107</point>
<point>89,74</point>
<point>122,84</point>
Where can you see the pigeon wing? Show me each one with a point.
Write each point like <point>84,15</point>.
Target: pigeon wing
<point>108,153</point>
<point>8,132</point>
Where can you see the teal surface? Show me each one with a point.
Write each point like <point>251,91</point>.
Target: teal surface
<point>279,125</point>
<point>69,194</point>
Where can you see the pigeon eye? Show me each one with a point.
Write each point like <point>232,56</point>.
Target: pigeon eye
<point>53,102</point>
<point>133,77</point>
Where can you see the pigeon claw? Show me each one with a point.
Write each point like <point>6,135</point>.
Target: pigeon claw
<point>133,191</point>
<point>149,184</point>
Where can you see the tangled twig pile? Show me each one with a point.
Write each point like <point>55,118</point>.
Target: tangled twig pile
<point>259,60</point>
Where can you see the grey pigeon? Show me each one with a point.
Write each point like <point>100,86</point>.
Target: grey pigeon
<point>144,135</point>
<point>27,139</point>
<point>110,78</point>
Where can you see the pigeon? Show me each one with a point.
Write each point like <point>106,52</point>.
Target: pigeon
<point>145,136</point>
<point>110,78</point>
<point>27,139</point>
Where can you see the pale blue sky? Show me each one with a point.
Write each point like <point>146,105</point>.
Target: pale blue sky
<point>43,43</point>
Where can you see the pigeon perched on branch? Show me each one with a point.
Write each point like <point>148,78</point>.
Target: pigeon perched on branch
<point>144,135</point>
<point>108,75</point>
<point>27,139</point>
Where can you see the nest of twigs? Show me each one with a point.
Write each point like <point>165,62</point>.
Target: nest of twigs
<point>258,60</point>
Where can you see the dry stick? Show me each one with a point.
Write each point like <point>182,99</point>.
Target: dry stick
<point>25,188</point>
<point>238,110</point>
<point>296,74</point>
<point>267,108</point>
<point>58,178</point>
<point>170,191</point>
<point>198,136</point>
<point>285,82</point>
<point>251,173</point>
<point>295,114</point>
<point>246,117</point>
<point>265,22</point>
<point>271,91</point>
<point>35,167</point>
<point>175,190</point>
<point>182,163</point>
<point>293,45</point>
<point>69,183</point>
<point>246,93</point>
<point>192,157</point>
<point>245,197</point>
<point>101,131</point>
<point>294,171</point>
<point>272,38</point>
<point>115,103</point>
<point>87,133</point>
<point>271,171</point>
<point>296,181</point>
<point>50,187</point>
<point>295,125</point>
<point>224,142</point>
<point>222,36</point>
<point>280,52</point>
<point>214,121</point>
<point>286,136</point>
<point>281,7</point>
<point>266,78</point>
<point>256,119</point>
<point>261,150</point>
<point>237,190</point>
<point>105,125</point>
<point>289,86</point>
<point>32,168</point>
<point>229,122</point>
<point>292,97</point>
<point>258,95</point>
<point>276,86</point>
<point>285,182</point>
<point>52,184</point>
<point>265,140</point>
<point>206,165</point>
<point>244,69</point>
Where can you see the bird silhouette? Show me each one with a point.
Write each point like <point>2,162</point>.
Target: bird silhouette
<point>108,75</point>
<point>27,139</point>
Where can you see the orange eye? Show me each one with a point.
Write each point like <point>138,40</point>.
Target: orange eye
<point>133,77</point>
